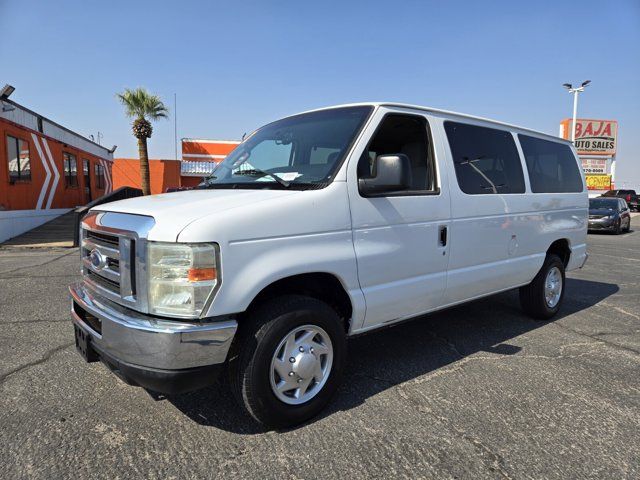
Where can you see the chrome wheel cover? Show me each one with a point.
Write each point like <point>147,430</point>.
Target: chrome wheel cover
<point>301,364</point>
<point>553,287</point>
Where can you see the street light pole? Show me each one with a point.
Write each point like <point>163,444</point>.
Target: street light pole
<point>575,115</point>
<point>576,91</point>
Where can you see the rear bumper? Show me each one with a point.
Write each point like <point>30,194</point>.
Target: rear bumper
<point>163,355</point>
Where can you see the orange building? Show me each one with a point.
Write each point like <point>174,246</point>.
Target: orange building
<point>199,157</point>
<point>163,174</point>
<point>45,169</point>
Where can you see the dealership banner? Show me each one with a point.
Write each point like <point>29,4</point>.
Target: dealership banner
<point>594,165</point>
<point>593,137</point>
<point>598,182</point>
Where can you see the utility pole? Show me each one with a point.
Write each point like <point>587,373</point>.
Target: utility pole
<point>175,124</point>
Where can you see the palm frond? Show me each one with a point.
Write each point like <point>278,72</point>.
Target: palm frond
<point>139,103</point>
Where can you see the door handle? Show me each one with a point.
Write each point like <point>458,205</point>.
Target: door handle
<point>443,235</point>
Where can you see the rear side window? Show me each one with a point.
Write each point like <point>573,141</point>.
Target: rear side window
<point>486,160</point>
<point>552,167</point>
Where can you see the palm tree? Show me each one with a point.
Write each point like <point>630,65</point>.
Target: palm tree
<point>144,108</point>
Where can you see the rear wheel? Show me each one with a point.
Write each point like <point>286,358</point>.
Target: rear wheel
<point>289,360</point>
<point>541,299</point>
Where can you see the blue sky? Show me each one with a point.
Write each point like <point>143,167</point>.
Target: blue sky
<point>237,65</point>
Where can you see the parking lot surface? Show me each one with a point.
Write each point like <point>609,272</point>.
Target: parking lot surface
<point>478,391</point>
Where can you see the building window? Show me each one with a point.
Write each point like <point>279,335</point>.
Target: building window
<point>70,170</point>
<point>486,159</point>
<point>99,174</point>
<point>85,172</point>
<point>18,158</point>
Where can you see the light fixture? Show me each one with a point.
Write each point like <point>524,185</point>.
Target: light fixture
<point>6,91</point>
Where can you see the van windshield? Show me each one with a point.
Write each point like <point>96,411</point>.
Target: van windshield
<point>303,151</point>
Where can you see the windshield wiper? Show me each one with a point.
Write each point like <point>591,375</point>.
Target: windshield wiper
<point>262,173</point>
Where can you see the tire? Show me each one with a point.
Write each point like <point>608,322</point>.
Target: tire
<point>618,230</point>
<point>252,363</point>
<point>532,296</point>
<point>628,227</point>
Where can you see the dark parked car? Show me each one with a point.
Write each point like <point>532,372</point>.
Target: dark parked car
<point>629,196</point>
<point>609,214</point>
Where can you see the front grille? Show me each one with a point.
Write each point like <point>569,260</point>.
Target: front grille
<point>113,254</point>
<point>111,240</point>
<point>108,264</point>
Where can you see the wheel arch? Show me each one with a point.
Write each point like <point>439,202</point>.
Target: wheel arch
<point>561,248</point>
<point>322,286</point>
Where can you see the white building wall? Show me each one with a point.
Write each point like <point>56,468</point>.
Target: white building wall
<point>16,222</point>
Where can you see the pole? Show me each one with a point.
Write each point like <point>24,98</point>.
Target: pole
<point>575,115</point>
<point>175,124</point>
<point>613,171</point>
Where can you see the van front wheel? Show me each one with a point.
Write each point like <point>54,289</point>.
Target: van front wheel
<point>288,360</point>
<point>541,299</point>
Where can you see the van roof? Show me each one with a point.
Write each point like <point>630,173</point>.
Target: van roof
<point>445,112</point>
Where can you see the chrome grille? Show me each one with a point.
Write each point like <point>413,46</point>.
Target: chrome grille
<point>118,244</point>
<point>107,262</point>
<point>101,259</point>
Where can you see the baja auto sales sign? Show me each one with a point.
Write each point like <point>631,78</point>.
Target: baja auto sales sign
<point>596,137</point>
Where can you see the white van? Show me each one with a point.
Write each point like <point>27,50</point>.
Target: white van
<point>317,227</point>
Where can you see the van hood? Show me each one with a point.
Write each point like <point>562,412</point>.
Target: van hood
<point>174,211</point>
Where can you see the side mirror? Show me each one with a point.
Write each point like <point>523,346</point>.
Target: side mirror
<point>391,174</point>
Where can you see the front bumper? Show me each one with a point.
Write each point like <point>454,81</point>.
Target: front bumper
<point>163,355</point>
<point>601,224</point>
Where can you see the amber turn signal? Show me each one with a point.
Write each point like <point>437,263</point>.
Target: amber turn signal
<point>202,274</point>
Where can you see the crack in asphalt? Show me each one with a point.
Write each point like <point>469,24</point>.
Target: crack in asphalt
<point>28,322</point>
<point>10,277</point>
<point>621,310</point>
<point>597,339</point>
<point>47,356</point>
<point>41,264</point>
<point>497,465</point>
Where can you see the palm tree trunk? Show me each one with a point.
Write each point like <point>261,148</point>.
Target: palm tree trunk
<point>144,166</point>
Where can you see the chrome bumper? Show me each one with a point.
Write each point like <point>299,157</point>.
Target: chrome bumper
<point>148,341</point>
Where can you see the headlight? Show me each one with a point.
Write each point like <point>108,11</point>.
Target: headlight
<point>181,277</point>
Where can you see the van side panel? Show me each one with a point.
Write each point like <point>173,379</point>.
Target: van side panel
<point>499,241</point>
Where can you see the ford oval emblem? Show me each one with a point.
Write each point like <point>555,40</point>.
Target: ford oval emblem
<point>98,261</point>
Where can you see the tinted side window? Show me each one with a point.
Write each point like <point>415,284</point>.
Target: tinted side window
<point>552,167</point>
<point>406,134</point>
<point>486,160</point>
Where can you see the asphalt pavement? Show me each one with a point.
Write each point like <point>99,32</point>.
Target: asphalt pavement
<point>477,391</point>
